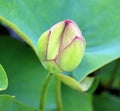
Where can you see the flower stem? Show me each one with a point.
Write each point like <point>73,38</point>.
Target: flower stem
<point>58,94</point>
<point>44,92</point>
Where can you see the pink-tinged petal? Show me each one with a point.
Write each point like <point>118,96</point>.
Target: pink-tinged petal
<point>70,32</point>
<point>42,45</point>
<point>54,40</point>
<point>71,56</point>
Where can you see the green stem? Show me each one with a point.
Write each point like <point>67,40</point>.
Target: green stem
<point>44,92</point>
<point>58,94</point>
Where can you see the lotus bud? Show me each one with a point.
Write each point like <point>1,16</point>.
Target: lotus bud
<point>61,48</point>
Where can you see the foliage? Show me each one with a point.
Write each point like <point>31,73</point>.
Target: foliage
<point>99,23</point>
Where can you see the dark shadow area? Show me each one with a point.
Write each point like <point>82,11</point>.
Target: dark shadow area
<point>3,30</point>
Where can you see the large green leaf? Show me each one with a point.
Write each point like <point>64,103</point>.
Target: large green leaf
<point>99,23</point>
<point>82,103</point>
<point>106,102</point>
<point>98,20</point>
<point>3,79</point>
<point>26,74</point>
<point>26,78</point>
<point>109,75</point>
<point>8,103</point>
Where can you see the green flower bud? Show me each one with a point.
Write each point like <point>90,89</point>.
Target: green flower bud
<point>61,48</point>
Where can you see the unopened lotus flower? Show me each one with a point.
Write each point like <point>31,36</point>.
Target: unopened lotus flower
<point>61,48</point>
